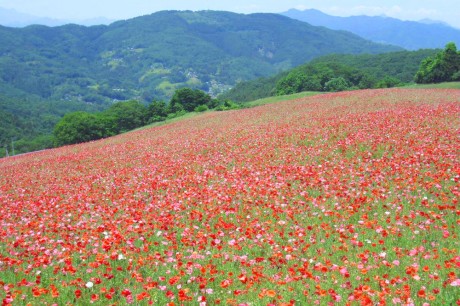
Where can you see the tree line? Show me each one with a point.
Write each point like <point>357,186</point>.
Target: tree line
<point>337,72</point>
<point>443,67</point>
<point>78,127</point>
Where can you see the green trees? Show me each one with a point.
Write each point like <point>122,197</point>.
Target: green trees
<point>323,77</point>
<point>189,99</point>
<point>157,111</point>
<point>388,82</point>
<point>79,127</point>
<point>370,71</point>
<point>443,67</point>
<point>126,115</point>
<point>336,84</point>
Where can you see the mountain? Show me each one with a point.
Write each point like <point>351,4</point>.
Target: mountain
<point>410,35</point>
<point>48,71</point>
<point>431,21</point>
<point>13,18</point>
<point>151,56</point>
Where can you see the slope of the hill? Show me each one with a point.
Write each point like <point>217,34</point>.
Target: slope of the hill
<point>340,197</point>
<point>401,65</point>
<point>410,35</point>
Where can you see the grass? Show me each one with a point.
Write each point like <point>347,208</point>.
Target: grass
<point>276,99</point>
<point>448,85</point>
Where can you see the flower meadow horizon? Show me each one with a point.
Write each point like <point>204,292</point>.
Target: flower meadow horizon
<point>347,198</point>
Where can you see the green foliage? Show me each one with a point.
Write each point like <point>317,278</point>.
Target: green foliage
<point>336,84</point>
<point>201,108</point>
<point>157,111</point>
<point>190,99</point>
<point>321,77</point>
<point>443,67</point>
<point>227,105</point>
<point>456,76</point>
<point>252,90</point>
<point>34,144</point>
<point>78,127</point>
<point>127,115</point>
<point>298,81</point>
<point>388,82</point>
<point>400,65</point>
<point>360,71</point>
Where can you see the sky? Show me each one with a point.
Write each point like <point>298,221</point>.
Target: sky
<point>442,10</point>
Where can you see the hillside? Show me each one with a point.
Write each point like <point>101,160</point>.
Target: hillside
<point>149,56</point>
<point>268,204</point>
<point>410,35</point>
<point>401,65</point>
<point>48,71</point>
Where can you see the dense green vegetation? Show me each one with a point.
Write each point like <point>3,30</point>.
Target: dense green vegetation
<point>443,67</point>
<point>152,56</point>
<point>336,72</point>
<point>400,65</point>
<point>80,127</point>
<point>27,120</point>
<point>322,77</point>
<point>46,72</point>
<point>254,89</point>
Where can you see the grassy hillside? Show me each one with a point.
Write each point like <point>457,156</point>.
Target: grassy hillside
<point>317,200</point>
<point>451,85</point>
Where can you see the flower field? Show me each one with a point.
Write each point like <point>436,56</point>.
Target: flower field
<point>346,198</point>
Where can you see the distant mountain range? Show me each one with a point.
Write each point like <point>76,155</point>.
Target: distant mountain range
<point>13,18</point>
<point>410,35</point>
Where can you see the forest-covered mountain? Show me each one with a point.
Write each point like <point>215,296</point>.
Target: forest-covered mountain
<point>46,72</point>
<point>410,35</point>
<point>377,70</point>
<point>152,55</point>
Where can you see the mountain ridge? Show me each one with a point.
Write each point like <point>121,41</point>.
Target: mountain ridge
<point>410,35</point>
<point>175,46</point>
<point>15,19</point>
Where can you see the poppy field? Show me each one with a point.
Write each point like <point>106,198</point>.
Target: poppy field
<point>348,198</point>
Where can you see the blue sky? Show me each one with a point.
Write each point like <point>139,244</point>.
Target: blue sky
<point>444,10</point>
